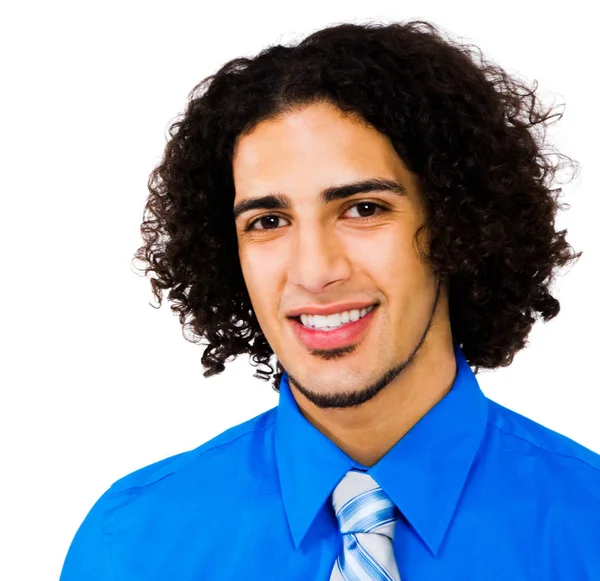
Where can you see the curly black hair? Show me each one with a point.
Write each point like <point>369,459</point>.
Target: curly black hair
<point>474,136</point>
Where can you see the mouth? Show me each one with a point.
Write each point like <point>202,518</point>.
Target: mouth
<point>350,332</point>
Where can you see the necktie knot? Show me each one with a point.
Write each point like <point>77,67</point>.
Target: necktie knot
<point>362,506</point>
<point>367,518</point>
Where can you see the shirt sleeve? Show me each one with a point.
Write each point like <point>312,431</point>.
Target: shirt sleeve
<point>88,556</point>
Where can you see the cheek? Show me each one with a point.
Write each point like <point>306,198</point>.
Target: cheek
<point>260,275</point>
<point>386,258</point>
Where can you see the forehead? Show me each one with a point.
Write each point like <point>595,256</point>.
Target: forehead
<point>317,142</point>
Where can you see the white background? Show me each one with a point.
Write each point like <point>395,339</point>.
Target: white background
<point>95,383</point>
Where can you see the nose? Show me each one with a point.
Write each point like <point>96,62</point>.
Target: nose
<point>318,258</point>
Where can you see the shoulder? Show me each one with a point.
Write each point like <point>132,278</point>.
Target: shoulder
<point>519,432</point>
<point>556,461</point>
<point>554,479</point>
<point>230,444</point>
<point>165,491</point>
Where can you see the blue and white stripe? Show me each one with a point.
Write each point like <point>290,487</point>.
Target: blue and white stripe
<point>367,519</point>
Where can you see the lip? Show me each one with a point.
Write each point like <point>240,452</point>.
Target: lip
<point>346,334</point>
<point>329,310</point>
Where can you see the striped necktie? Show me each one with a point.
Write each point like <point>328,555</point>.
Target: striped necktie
<point>367,519</point>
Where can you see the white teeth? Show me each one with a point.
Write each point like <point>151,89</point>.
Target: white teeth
<point>330,322</point>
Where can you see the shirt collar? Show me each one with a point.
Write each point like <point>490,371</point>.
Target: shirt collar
<point>424,473</point>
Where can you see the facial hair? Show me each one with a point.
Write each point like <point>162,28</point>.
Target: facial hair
<point>356,398</point>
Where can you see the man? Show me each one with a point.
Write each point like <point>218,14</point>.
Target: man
<point>369,207</point>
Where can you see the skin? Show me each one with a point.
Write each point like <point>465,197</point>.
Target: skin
<point>367,396</point>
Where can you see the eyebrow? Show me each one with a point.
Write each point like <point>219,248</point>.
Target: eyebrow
<point>281,201</point>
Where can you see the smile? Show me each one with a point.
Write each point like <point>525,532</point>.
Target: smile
<point>330,322</point>
<point>334,337</point>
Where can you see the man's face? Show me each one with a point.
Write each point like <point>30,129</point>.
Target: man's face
<point>316,254</point>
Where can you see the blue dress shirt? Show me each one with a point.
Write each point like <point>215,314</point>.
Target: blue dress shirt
<point>484,493</point>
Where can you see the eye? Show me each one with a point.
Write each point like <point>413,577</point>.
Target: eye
<point>270,218</point>
<point>361,206</point>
